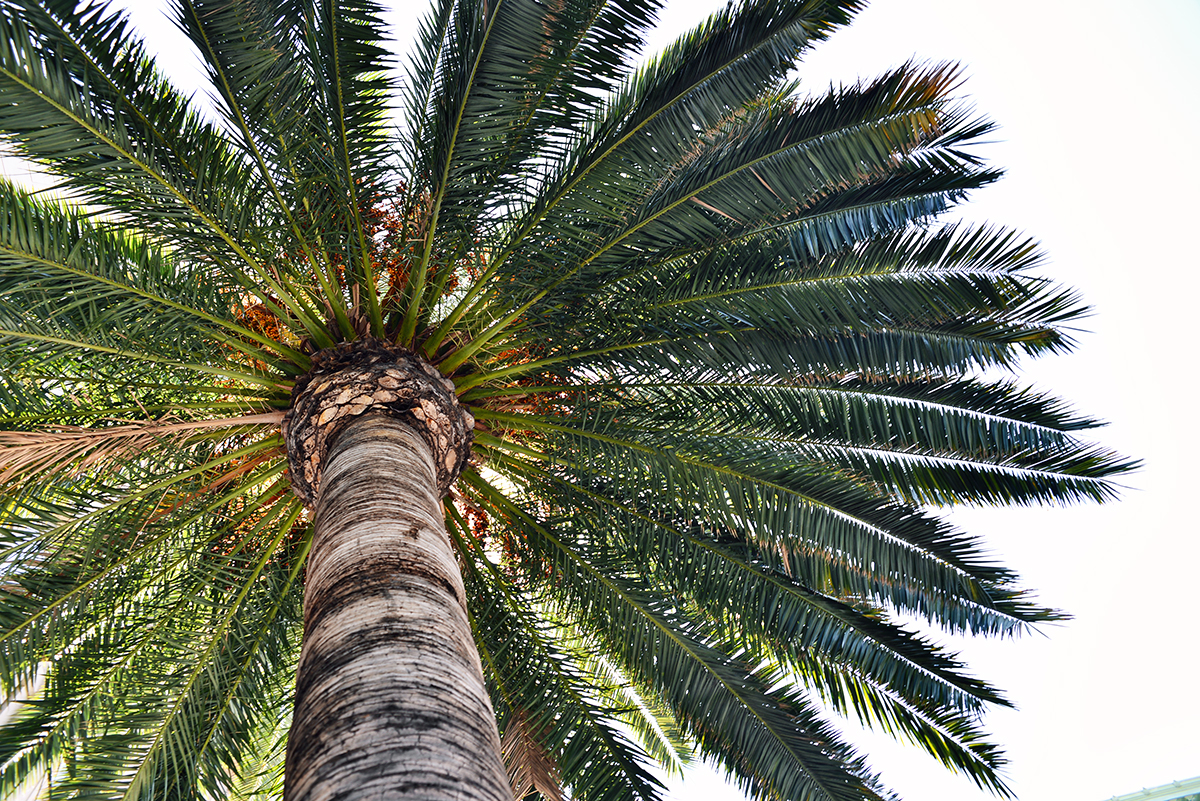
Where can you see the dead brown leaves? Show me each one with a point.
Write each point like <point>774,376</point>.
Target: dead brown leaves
<point>73,450</point>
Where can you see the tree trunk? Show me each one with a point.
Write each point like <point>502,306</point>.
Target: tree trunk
<point>390,699</point>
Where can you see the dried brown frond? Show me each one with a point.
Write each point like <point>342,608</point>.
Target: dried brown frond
<point>530,766</point>
<point>74,450</point>
<point>714,209</point>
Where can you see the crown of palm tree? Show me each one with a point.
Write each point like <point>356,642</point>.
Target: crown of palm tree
<point>721,360</point>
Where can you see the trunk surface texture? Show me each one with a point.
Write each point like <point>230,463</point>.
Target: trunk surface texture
<point>390,699</point>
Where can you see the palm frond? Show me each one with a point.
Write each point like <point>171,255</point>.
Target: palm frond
<point>534,683</point>
<point>77,450</point>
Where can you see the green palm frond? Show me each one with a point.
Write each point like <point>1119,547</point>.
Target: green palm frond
<point>546,687</point>
<point>717,698</point>
<point>139,151</point>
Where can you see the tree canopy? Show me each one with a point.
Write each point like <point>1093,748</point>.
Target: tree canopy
<point>724,362</point>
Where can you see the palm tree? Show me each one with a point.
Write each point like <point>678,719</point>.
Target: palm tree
<point>595,418</point>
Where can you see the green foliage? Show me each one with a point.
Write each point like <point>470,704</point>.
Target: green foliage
<point>725,361</point>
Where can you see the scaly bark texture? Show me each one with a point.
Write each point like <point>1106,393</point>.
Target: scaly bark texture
<point>370,376</point>
<point>390,699</point>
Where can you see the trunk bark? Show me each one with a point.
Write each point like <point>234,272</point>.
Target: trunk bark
<point>390,699</point>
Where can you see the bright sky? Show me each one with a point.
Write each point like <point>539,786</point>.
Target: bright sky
<point>1097,102</point>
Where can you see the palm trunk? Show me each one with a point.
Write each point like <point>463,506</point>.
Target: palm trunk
<point>390,699</point>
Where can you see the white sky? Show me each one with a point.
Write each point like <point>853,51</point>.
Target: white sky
<point>1098,107</point>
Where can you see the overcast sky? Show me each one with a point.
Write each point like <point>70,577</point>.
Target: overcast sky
<point>1098,107</point>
